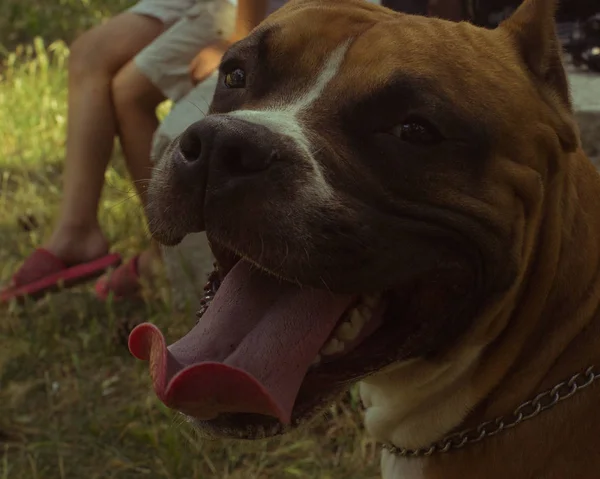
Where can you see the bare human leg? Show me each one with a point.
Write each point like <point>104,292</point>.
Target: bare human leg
<point>135,99</point>
<point>96,57</point>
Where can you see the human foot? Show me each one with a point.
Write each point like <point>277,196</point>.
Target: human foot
<point>72,256</point>
<point>77,244</point>
<point>43,272</point>
<point>127,280</point>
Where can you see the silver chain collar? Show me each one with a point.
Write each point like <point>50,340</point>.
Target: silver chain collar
<point>527,410</point>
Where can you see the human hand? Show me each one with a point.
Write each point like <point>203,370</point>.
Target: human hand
<point>207,60</point>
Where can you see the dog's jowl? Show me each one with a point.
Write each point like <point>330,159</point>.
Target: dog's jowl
<point>401,201</point>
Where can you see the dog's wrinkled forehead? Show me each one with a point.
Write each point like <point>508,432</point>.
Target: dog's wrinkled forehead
<point>300,49</point>
<point>323,56</point>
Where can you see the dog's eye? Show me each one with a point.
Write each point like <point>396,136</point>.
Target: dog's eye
<point>417,132</point>
<point>235,79</point>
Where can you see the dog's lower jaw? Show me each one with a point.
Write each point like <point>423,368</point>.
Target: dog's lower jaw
<point>414,403</point>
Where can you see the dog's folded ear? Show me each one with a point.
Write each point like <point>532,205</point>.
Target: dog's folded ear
<point>533,30</point>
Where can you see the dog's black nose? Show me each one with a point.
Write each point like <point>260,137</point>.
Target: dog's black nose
<point>230,145</point>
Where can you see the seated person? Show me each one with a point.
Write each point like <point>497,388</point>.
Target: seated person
<point>119,72</point>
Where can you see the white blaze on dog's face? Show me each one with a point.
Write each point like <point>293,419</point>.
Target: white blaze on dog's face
<point>369,204</point>
<point>286,119</point>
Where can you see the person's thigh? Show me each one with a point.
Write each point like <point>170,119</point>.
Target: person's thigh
<point>166,60</point>
<point>111,45</point>
<point>132,87</point>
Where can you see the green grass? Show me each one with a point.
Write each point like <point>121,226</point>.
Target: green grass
<point>73,402</point>
<point>23,20</point>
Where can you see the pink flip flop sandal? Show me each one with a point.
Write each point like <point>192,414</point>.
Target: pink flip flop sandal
<point>123,283</point>
<point>44,272</point>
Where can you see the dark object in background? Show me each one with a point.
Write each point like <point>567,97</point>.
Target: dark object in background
<point>490,13</point>
<point>584,43</point>
<point>414,7</point>
<point>578,21</point>
<point>578,25</point>
<point>448,9</point>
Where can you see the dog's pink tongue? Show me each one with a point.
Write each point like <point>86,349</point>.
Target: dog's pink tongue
<point>250,351</point>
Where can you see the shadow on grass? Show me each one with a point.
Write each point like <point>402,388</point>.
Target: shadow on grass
<point>74,403</point>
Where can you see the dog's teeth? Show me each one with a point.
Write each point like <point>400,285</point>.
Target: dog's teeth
<point>357,319</point>
<point>371,300</point>
<point>332,347</point>
<point>365,312</point>
<point>350,329</point>
<point>347,332</point>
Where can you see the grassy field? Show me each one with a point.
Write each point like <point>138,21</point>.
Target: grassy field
<point>73,402</point>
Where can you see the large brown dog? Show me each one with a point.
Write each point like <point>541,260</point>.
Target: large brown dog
<point>399,200</point>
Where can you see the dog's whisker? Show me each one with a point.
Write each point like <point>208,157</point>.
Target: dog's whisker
<point>205,101</point>
<point>325,283</point>
<point>197,107</point>
<point>119,203</point>
<point>262,248</point>
<point>318,150</point>
<point>114,187</point>
<point>141,182</point>
<point>127,191</point>
<point>286,255</point>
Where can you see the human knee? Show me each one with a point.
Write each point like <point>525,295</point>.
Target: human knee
<point>132,90</point>
<point>87,56</point>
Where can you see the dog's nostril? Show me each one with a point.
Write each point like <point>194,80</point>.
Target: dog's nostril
<point>274,156</point>
<point>190,145</point>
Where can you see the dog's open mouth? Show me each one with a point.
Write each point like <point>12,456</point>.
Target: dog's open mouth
<point>256,346</point>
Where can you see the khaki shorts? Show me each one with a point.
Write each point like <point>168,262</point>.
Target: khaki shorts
<point>191,25</point>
